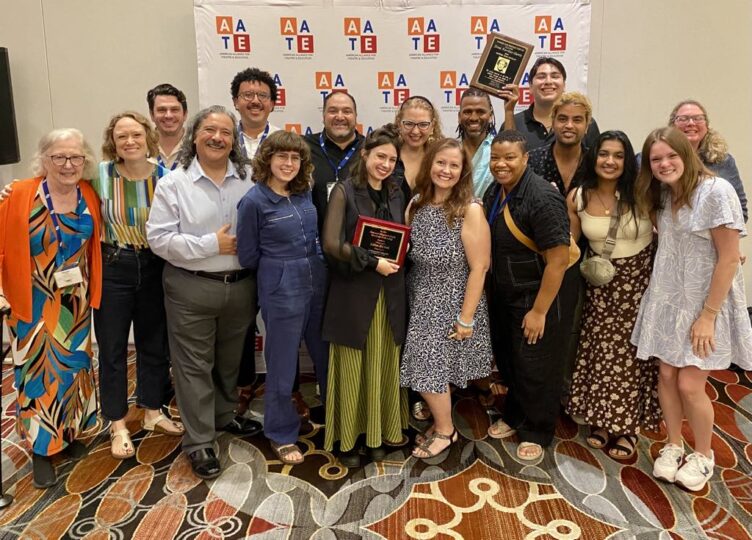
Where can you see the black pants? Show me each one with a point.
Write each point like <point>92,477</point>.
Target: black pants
<point>131,293</point>
<point>532,373</point>
<point>571,297</point>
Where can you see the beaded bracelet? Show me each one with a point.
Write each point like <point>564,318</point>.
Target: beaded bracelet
<point>463,324</point>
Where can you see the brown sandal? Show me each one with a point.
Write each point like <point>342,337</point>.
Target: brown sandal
<point>452,438</point>
<point>283,452</point>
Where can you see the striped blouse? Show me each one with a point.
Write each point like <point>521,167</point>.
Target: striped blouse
<point>125,204</point>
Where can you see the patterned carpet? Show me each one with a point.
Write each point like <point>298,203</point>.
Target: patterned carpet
<point>478,490</point>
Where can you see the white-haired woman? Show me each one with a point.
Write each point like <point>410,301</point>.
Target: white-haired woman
<point>51,278</point>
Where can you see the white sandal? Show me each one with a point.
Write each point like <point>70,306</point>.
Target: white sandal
<point>126,446</point>
<point>154,427</point>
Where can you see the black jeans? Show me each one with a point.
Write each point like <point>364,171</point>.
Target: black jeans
<point>131,293</point>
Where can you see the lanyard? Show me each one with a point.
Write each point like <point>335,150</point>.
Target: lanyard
<point>497,207</point>
<point>242,146</point>
<point>53,215</point>
<point>336,168</point>
<point>162,163</point>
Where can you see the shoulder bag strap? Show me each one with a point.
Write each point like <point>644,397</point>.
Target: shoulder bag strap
<point>610,244</point>
<point>518,234</point>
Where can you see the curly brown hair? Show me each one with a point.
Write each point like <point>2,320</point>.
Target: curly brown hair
<point>462,192</point>
<point>108,146</point>
<point>284,141</point>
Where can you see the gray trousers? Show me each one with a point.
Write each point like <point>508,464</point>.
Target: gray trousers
<point>206,324</point>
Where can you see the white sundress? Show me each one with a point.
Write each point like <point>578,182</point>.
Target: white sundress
<point>680,283</point>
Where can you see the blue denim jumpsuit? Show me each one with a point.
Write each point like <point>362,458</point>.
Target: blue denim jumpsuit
<point>278,238</point>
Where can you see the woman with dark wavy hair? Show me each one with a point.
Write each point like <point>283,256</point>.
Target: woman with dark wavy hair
<point>278,239</point>
<point>613,391</point>
<point>365,311</point>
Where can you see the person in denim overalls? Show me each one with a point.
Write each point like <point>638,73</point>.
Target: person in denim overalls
<point>278,237</point>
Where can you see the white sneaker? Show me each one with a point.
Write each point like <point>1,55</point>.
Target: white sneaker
<point>696,471</point>
<point>668,462</point>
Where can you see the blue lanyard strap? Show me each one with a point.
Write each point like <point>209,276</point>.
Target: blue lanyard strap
<point>342,163</point>
<point>53,215</point>
<point>242,140</point>
<point>497,207</point>
<point>162,163</point>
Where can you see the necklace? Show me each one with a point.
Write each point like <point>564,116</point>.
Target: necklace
<point>605,208</point>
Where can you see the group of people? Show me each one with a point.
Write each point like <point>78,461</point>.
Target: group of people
<point>187,232</point>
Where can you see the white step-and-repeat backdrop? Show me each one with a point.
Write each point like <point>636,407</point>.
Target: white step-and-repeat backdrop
<point>381,55</point>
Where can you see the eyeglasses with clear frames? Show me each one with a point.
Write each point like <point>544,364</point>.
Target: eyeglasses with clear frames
<point>60,160</point>
<point>248,96</point>
<point>409,125</point>
<point>685,118</point>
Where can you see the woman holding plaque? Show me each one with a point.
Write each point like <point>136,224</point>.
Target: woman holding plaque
<point>448,338</point>
<point>364,320</point>
<point>418,126</point>
<point>278,239</point>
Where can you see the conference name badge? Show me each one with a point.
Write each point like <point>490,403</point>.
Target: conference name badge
<point>68,277</point>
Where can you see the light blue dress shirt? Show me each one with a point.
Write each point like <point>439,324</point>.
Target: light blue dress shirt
<point>187,211</point>
<point>482,177</point>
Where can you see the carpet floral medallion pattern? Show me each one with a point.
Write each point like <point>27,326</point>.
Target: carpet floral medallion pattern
<point>478,489</point>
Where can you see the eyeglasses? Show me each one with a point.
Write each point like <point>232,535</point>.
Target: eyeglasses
<point>409,125</point>
<point>60,160</point>
<point>685,118</point>
<point>248,96</point>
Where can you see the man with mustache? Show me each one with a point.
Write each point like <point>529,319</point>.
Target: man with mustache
<point>168,107</point>
<point>254,94</point>
<point>210,299</point>
<point>561,163</point>
<point>334,151</point>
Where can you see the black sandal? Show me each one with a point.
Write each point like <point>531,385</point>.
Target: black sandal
<point>626,444</point>
<point>598,438</point>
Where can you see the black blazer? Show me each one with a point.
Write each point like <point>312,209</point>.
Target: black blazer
<point>354,283</point>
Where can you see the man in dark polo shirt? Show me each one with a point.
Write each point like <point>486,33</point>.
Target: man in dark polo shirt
<point>547,83</point>
<point>561,163</point>
<point>334,150</point>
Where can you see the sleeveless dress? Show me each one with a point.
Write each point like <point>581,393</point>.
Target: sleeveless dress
<point>682,273</point>
<point>52,353</point>
<point>436,289</point>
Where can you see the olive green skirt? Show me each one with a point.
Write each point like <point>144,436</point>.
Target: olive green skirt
<point>363,394</point>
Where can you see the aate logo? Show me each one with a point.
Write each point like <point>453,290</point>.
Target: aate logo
<point>552,36</point>
<point>453,84</point>
<point>281,94</point>
<point>480,27</point>
<point>423,34</point>
<point>393,87</point>
<point>300,129</point>
<point>233,35</point>
<point>297,36</point>
<point>360,35</point>
<point>326,82</point>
